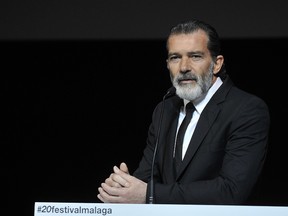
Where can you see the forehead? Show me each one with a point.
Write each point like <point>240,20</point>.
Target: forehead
<point>197,40</point>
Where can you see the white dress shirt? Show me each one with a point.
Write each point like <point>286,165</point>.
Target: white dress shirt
<point>199,107</point>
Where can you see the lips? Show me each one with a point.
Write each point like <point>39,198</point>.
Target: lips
<point>187,79</point>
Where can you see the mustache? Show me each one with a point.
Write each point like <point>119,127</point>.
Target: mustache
<point>187,76</point>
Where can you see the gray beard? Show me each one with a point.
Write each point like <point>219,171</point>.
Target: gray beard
<point>195,90</point>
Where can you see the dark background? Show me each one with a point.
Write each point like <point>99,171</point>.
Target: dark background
<point>81,82</point>
<point>138,19</point>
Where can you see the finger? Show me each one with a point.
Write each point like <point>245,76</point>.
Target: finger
<point>112,194</point>
<point>112,181</point>
<point>100,197</point>
<point>125,176</point>
<point>103,195</point>
<point>107,198</point>
<point>110,190</point>
<point>124,167</point>
<point>121,177</point>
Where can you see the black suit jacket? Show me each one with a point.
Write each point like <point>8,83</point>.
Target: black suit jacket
<point>225,155</point>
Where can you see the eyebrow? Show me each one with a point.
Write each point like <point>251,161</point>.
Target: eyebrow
<point>189,53</point>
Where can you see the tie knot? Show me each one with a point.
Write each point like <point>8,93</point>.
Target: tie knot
<point>189,107</point>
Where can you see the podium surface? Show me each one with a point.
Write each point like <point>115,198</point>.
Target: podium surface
<point>99,209</point>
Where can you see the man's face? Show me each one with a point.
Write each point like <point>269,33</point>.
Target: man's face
<point>190,64</point>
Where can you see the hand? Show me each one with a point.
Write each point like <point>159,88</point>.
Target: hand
<point>121,187</point>
<point>114,183</point>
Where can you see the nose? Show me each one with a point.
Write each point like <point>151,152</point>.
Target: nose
<point>185,65</point>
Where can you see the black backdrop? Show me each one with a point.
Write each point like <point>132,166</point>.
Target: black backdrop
<point>73,109</point>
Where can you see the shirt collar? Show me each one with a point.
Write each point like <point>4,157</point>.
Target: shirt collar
<point>202,102</point>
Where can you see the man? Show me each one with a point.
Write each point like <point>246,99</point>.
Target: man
<point>225,144</point>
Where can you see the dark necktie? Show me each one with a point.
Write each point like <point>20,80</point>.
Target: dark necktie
<point>181,132</point>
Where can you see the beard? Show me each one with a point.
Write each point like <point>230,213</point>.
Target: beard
<point>192,91</point>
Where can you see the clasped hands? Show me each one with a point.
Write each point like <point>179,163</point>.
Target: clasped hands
<point>121,187</point>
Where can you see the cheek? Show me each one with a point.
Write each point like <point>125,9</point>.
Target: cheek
<point>204,68</point>
<point>173,69</point>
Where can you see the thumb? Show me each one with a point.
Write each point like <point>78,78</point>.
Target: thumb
<point>124,167</point>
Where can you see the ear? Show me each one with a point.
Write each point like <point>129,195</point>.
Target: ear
<point>167,64</point>
<point>218,64</point>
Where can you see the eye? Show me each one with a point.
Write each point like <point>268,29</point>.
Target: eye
<point>173,58</point>
<point>195,56</point>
